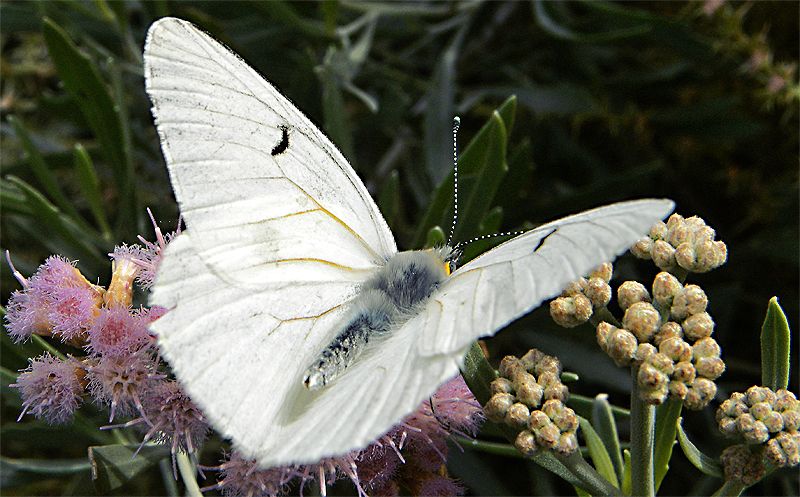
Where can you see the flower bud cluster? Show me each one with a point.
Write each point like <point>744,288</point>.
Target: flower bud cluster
<point>578,301</point>
<point>686,243</point>
<point>743,464</point>
<point>529,397</point>
<point>761,416</point>
<point>669,337</point>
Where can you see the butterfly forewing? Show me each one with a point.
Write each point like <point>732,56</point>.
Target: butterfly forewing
<point>253,205</point>
<point>517,276</point>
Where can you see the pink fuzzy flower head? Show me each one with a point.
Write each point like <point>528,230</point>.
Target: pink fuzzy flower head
<point>71,311</point>
<point>57,299</point>
<point>121,381</point>
<point>240,477</point>
<point>149,257</point>
<point>119,331</point>
<point>174,418</point>
<point>50,388</point>
<point>377,465</point>
<point>454,406</point>
<point>26,314</point>
<point>438,485</point>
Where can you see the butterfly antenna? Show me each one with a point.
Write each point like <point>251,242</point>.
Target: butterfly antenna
<point>484,237</point>
<point>456,124</point>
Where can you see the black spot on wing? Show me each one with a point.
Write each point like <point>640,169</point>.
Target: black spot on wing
<point>545,237</point>
<point>284,143</point>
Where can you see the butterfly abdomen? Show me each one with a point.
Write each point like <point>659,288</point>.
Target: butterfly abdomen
<point>384,303</point>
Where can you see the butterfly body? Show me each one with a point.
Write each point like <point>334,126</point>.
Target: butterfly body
<point>384,303</point>
<point>286,256</point>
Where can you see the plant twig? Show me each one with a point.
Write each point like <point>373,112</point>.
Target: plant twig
<point>642,435</point>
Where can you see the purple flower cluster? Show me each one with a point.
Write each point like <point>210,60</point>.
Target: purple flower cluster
<point>410,458</point>
<point>120,368</point>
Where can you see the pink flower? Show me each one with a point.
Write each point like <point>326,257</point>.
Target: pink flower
<point>57,299</point>
<point>241,477</point>
<point>50,388</point>
<point>148,258</point>
<point>174,418</point>
<point>71,310</point>
<point>121,381</point>
<point>26,314</point>
<point>119,331</point>
<point>438,485</point>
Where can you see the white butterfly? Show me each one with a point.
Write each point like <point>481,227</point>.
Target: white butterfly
<point>282,244</point>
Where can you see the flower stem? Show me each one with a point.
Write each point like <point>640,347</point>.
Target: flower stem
<point>730,488</point>
<point>594,482</point>
<point>188,472</point>
<point>642,435</point>
<point>501,449</point>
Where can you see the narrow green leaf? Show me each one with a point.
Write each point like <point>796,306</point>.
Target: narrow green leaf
<point>583,405</point>
<point>337,124</point>
<point>597,451</point>
<point>667,415</point>
<point>90,187</point>
<point>114,465</point>
<point>44,175</point>
<point>627,480</point>
<point>47,466</point>
<point>83,81</point>
<point>389,198</point>
<point>439,112</point>
<point>603,422</point>
<point>471,163</point>
<point>708,465</point>
<point>775,347</point>
<point>47,214</point>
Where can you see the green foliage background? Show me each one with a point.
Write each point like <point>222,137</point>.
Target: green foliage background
<point>612,101</point>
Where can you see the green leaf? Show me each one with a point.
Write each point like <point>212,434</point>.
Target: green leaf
<point>90,187</point>
<point>597,451</point>
<point>549,24</point>
<point>606,427</point>
<point>83,81</point>
<point>583,405</point>
<point>47,466</point>
<point>775,347</point>
<point>42,171</point>
<point>440,111</point>
<point>113,465</point>
<point>627,481</point>
<point>481,168</point>
<point>667,415</point>
<point>708,465</point>
<point>389,198</point>
<point>77,247</point>
<point>435,238</point>
<point>337,124</point>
